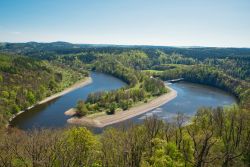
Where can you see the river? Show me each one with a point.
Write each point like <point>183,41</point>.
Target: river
<point>190,97</point>
<point>51,114</point>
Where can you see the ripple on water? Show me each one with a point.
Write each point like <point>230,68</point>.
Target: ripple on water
<point>157,110</point>
<point>147,115</point>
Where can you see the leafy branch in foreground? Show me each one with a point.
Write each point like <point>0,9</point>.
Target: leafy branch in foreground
<point>214,137</point>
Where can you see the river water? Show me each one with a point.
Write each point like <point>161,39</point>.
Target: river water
<point>190,97</point>
<point>51,114</point>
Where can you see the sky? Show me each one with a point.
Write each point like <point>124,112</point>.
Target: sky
<point>219,23</point>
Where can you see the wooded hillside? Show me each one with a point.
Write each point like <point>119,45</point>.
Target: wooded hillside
<point>25,81</point>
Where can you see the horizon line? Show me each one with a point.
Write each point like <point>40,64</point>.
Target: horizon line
<point>134,45</point>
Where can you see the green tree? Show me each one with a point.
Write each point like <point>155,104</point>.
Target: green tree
<point>166,154</point>
<point>5,94</point>
<point>112,108</point>
<point>42,92</point>
<point>124,104</point>
<point>202,134</point>
<point>31,97</point>
<point>52,84</point>
<point>81,108</point>
<point>15,109</point>
<point>79,147</point>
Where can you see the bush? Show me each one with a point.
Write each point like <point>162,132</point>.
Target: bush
<point>124,104</point>
<point>112,109</point>
<point>15,109</point>
<point>81,108</point>
<point>31,97</point>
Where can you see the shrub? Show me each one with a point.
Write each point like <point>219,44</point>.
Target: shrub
<point>81,108</point>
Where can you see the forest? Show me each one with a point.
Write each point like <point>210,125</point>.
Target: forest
<point>25,81</point>
<point>216,137</point>
<point>212,137</point>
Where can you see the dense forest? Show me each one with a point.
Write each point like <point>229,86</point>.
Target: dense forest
<point>213,137</point>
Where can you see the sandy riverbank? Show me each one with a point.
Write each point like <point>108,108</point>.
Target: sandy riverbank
<point>70,112</point>
<point>77,85</point>
<point>104,120</point>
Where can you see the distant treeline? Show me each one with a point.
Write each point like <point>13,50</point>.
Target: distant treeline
<point>234,61</point>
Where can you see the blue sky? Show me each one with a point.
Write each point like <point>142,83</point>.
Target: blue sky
<point>150,22</point>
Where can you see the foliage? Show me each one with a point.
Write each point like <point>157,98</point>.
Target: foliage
<point>25,81</point>
<point>215,137</point>
<point>74,147</point>
<point>81,108</point>
<point>139,89</point>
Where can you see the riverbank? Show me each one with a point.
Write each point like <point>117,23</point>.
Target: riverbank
<point>79,84</point>
<point>101,121</point>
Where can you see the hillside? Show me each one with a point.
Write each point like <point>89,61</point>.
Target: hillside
<point>25,81</point>
<point>234,61</point>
